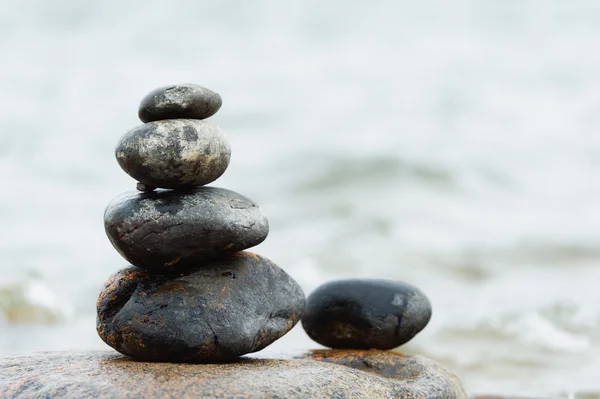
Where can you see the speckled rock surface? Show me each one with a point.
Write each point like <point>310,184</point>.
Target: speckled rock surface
<point>222,310</point>
<point>110,375</point>
<point>520,397</point>
<point>422,377</point>
<point>169,230</point>
<point>174,153</point>
<point>381,314</point>
<point>179,101</point>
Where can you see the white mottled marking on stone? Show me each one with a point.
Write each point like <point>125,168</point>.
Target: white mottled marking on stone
<point>398,300</point>
<point>196,160</point>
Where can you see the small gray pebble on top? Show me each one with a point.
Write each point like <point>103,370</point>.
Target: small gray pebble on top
<point>183,101</point>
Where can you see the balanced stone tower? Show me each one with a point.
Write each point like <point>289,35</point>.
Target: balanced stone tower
<point>191,295</point>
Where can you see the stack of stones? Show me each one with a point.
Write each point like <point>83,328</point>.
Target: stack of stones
<point>191,295</point>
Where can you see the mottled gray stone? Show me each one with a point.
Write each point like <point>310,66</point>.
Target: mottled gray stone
<point>103,374</point>
<point>174,153</point>
<point>187,101</point>
<point>221,310</point>
<point>169,230</point>
<point>381,314</point>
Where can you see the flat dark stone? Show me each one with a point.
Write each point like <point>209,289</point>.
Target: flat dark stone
<point>222,310</point>
<point>174,153</point>
<point>381,314</point>
<point>186,101</point>
<point>320,375</point>
<point>168,230</point>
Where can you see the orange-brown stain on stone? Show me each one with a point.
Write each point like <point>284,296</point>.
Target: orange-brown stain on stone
<point>113,288</point>
<point>206,349</point>
<point>385,363</point>
<point>173,287</point>
<point>251,255</point>
<point>225,290</point>
<point>173,262</point>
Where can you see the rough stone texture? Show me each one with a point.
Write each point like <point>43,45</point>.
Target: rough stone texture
<point>169,230</point>
<point>361,314</point>
<point>109,375</point>
<point>224,309</point>
<point>174,153</point>
<point>513,397</point>
<point>424,377</point>
<point>179,101</point>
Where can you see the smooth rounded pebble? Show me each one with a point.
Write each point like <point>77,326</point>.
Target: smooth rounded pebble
<point>223,309</point>
<point>188,101</point>
<point>321,375</point>
<point>168,230</point>
<point>381,314</point>
<point>174,153</point>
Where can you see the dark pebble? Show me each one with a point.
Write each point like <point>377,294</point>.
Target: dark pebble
<point>174,153</point>
<point>186,101</point>
<point>221,310</point>
<point>361,314</point>
<point>167,230</point>
<point>143,187</point>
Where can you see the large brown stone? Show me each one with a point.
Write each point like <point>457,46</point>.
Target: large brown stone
<point>317,374</point>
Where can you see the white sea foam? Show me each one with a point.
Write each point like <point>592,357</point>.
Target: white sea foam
<point>533,329</point>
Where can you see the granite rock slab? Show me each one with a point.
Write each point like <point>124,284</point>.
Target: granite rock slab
<point>310,376</point>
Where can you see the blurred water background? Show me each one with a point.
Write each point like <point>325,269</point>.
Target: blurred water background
<point>452,145</point>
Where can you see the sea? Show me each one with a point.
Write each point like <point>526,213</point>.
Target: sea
<point>451,145</point>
